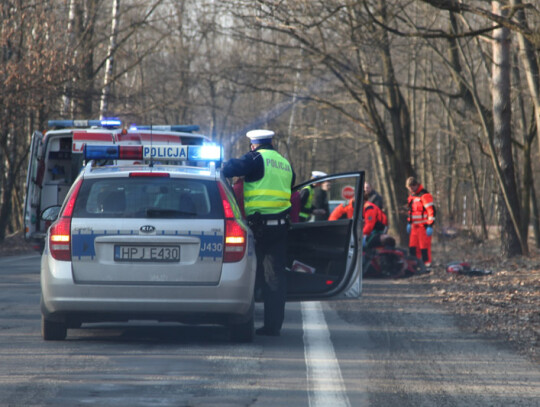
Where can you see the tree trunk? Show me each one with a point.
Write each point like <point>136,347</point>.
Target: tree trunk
<point>67,102</point>
<point>84,32</point>
<point>109,65</point>
<point>476,190</point>
<point>509,214</point>
<point>530,64</point>
<point>400,160</point>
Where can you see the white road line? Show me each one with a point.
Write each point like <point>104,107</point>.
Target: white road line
<point>324,380</point>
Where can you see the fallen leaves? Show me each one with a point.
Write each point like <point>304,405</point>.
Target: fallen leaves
<point>505,303</point>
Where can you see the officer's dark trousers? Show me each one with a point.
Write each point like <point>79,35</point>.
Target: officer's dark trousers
<point>271,249</point>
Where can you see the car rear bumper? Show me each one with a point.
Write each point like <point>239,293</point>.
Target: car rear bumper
<point>229,301</point>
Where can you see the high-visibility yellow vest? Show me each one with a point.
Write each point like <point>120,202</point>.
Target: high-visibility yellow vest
<point>305,212</point>
<point>272,193</point>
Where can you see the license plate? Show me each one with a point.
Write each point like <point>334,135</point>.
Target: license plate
<point>147,253</point>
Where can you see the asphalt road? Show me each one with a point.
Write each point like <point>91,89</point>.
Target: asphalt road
<point>390,348</point>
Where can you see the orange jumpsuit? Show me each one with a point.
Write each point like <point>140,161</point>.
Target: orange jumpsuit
<point>374,218</point>
<point>421,215</point>
<point>340,210</point>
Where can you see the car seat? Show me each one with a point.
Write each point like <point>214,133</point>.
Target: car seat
<point>186,204</point>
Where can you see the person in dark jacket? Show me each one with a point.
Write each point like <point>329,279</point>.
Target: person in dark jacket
<point>268,180</point>
<point>321,207</point>
<point>372,196</point>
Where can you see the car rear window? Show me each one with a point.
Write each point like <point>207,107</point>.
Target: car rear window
<point>148,197</point>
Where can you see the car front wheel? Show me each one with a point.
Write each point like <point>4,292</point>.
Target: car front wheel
<point>53,331</point>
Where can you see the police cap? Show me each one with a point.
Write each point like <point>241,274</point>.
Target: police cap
<point>318,174</point>
<point>260,136</point>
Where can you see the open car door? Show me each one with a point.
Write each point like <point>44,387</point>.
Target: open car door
<point>324,258</point>
<point>34,179</point>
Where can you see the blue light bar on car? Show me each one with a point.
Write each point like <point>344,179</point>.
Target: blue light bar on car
<point>111,122</point>
<point>101,152</point>
<point>106,123</point>
<point>205,153</point>
<point>165,152</point>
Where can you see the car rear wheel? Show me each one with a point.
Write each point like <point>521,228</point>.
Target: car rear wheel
<point>53,331</point>
<point>243,333</point>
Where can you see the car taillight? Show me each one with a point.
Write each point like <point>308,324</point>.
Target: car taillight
<point>235,233</point>
<point>60,231</point>
<point>235,241</point>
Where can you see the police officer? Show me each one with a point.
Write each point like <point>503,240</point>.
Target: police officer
<point>268,179</point>
<point>312,202</point>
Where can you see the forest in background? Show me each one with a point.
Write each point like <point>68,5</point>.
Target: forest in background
<point>447,91</point>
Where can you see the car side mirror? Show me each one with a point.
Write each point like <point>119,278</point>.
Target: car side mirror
<point>50,213</point>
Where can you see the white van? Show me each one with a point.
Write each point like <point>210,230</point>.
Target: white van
<point>56,159</point>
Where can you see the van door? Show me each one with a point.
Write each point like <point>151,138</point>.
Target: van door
<point>34,179</point>
<point>324,258</point>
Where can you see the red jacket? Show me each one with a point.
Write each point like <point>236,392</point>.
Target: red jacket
<point>421,208</point>
<point>341,210</point>
<point>374,218</point>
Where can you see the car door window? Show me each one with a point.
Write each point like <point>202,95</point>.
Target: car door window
<point>324,252</point>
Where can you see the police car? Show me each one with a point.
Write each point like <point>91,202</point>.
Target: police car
<point>155,241</point>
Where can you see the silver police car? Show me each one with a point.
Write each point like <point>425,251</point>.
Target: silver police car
<point>154,241</point>
<point>148,242</point>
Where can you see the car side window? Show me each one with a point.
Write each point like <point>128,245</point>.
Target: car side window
<point>331,199</point>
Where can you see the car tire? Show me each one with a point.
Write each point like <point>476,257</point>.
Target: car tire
<point>74,324</point>
<point>53,331</point>
<point>244,332</point>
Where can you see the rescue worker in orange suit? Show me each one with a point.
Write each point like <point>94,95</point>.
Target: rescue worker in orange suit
<point>420,221</point>
<point>375,221</point>
<point>343,211</point>
<point>268,180</point>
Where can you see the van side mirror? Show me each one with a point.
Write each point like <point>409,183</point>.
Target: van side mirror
<point>50,213</point>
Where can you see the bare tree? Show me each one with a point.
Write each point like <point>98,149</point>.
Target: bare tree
<point>512,242</point>
<point>497,125</point>
<point>31,71</point>
<point>109,64</point>
<point>393,87</point>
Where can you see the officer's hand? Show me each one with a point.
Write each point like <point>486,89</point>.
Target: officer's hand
<point>429,231</point>
<point>408,228</point>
